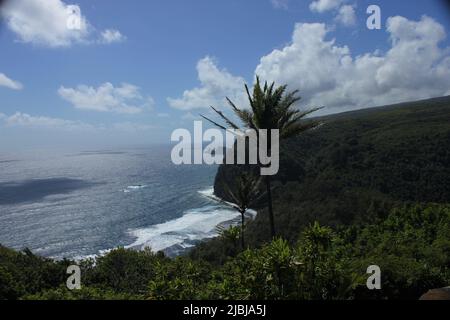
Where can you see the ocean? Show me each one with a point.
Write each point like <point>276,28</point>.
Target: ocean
<point>85,203</point>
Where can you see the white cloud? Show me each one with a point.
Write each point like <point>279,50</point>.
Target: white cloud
<point>111,36</point>
<point>51,23</point>
<point>216,84</point>
<point>43,22</point>
<point>324,5</point>
<point>25,120</point>
<point>9,83</point>
<point>346,15</point>
<point>327,74</point>
<point>125,98</point>
<point>280,4</point>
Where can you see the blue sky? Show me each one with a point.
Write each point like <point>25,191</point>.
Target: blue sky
<point>135,70</point>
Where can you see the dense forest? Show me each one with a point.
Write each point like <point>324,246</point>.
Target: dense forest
<point>367,187</point>
<point>356,167</point>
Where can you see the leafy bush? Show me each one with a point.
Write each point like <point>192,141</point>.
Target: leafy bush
<point>411,246</point>
<point>25,273</point>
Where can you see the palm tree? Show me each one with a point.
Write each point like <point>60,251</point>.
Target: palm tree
<point>247,191</point>
<point>270,108</point>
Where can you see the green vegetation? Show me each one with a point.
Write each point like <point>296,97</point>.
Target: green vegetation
<point>244,196</point>
<point>411,246</point>
<point>355,168</point>
<point>367,188</point>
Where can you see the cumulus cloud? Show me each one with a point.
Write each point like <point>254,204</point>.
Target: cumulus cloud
<point>44,22</point>
<point>346,15</point>
<point>327,74</point>
<point>215,85</point>
<point>111,36</point>
<point>9,83</point>
<point>51,23</point>
<point>324,5</point>
<point>125,98</point>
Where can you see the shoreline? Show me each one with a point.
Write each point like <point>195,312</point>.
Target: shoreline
<point>178,236</point>
<point>219,208</point>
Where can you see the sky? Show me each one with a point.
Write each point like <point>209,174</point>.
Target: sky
<point>105,73</point>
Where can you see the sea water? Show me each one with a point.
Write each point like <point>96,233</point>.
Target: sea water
<point>84,203</point>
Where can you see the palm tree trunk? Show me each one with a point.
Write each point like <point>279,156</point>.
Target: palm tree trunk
<point>269,199</point>
<point>242,229</point>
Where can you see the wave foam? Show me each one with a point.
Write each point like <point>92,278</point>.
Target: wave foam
<point>134,188</point>
<point>175,236</point>
<point>197,224</point>
<point>194,225</point>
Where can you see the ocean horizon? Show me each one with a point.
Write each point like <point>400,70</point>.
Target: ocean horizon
<point>74,205</point>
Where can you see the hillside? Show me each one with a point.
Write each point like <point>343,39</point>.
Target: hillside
<point>357,166</point>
